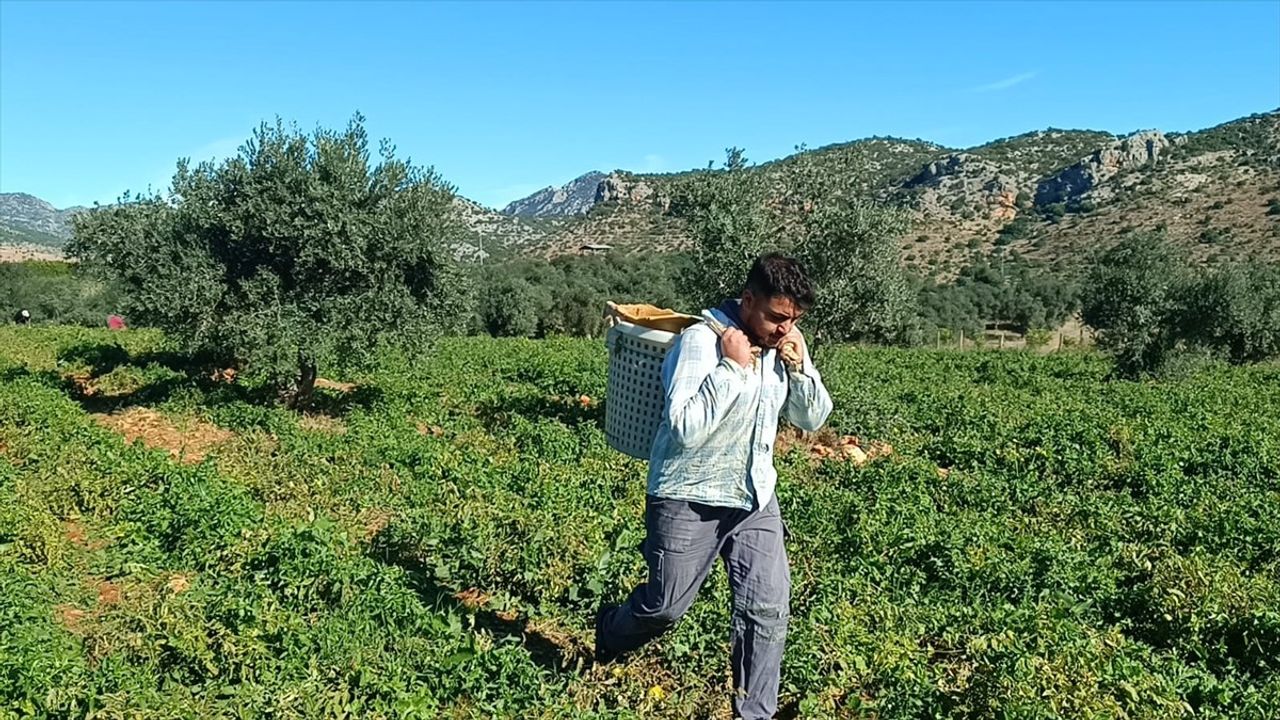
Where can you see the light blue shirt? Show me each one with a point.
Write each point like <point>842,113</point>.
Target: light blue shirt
<point>715,443</point>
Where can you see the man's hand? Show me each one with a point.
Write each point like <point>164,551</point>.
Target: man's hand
<point>735,346</point>
<point>792,349</point>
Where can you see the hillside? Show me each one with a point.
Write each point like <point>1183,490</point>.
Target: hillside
<point>1054,195</point>
<point>491,234</point>
<point>32,229</point>
<point>28,220</point>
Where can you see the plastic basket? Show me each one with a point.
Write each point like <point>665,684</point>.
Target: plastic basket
<point>634,395</point>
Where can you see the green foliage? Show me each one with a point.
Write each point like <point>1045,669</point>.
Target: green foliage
<point>1147,304</point>
<point>56,292</point>
<point>1131,299</point>
<point>729,226</point>
<point>1083,206</point>
<point>850,248</point>
<point>735,158</point>
<point>1043,543</point>
<point>1215,235</point>
<point>1043,153</point>
<point>1235,311</point>
<point>1255,133</point>
<point>1007,291</point>
<point>1020,228</point>
<point>848,244</point>
<point>512,306</point>
<point>1038,338</point>
<point>291,255</point>
<point>533,297</point>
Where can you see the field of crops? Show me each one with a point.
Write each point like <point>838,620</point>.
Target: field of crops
<point>1042,542</point>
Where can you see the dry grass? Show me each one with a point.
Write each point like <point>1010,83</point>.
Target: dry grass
<point>342,387</point>
<point>318,422</point>
<point>430,430</point>
<point>69,616</point>
<point>75,532</point>
<point>188,442</point>
<point>179,582</point>
<point>826,444</point>
<point>22,253</point>
<point>473,598</point>
<point>372,521</point>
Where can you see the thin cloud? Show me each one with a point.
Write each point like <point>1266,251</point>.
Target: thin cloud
<point>1006,83</point>
<point>653,163</point>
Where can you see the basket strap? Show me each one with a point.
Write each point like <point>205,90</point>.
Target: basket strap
<point>719,329</point>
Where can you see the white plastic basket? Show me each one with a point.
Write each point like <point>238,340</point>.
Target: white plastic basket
<point>634,395</point>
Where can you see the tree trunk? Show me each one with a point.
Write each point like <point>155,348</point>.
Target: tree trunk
<point>306,384</point>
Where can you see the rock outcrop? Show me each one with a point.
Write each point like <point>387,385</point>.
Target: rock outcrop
<point>1138,150</point>
<point>573,198</point>
<point>968,180</point>
<point>620,188</point>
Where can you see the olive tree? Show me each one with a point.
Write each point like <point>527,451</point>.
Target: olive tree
<point>297,253</point>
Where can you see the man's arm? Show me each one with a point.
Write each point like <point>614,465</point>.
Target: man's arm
<point>700,386</point>
<point>808,403</point>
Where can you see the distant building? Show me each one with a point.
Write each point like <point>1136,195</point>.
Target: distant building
<point>592,248</point>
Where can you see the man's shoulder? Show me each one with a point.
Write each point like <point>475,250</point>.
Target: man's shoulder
<point>699,329</point>
<point>700,335</point>
<point>694,342</point>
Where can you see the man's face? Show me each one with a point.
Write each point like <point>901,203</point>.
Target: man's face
<point>768,319</point>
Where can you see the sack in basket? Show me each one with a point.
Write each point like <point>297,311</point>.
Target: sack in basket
<point>639,337</point>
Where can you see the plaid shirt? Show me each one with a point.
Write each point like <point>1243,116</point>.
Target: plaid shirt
<point>715,443</point>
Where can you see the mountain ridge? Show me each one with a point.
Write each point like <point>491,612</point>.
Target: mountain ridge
<point>1051,194</point>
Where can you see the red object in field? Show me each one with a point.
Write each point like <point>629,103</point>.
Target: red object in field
<point>115,322</point>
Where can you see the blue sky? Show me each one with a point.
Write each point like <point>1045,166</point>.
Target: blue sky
<point>503,99</point>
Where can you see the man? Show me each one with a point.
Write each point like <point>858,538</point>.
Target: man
<point>711,478</point>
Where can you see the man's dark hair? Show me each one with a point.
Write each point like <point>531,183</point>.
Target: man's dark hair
<point>774,275</point>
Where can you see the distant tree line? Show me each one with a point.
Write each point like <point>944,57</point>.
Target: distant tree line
<point>56,292</point>
<point>1153,309</point>
<point>1003,290</point>
<point>566,295</point>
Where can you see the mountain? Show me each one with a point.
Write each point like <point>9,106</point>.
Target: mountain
<point>32,229</point>
<point>573,198</point>
<point>1053,195</point>
<point>491,234</point>
<point>28,220</point>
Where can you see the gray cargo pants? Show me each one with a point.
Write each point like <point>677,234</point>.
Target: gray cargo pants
<point>683,541</point>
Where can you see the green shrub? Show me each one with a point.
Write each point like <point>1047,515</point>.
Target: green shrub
<point>293,254</point>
